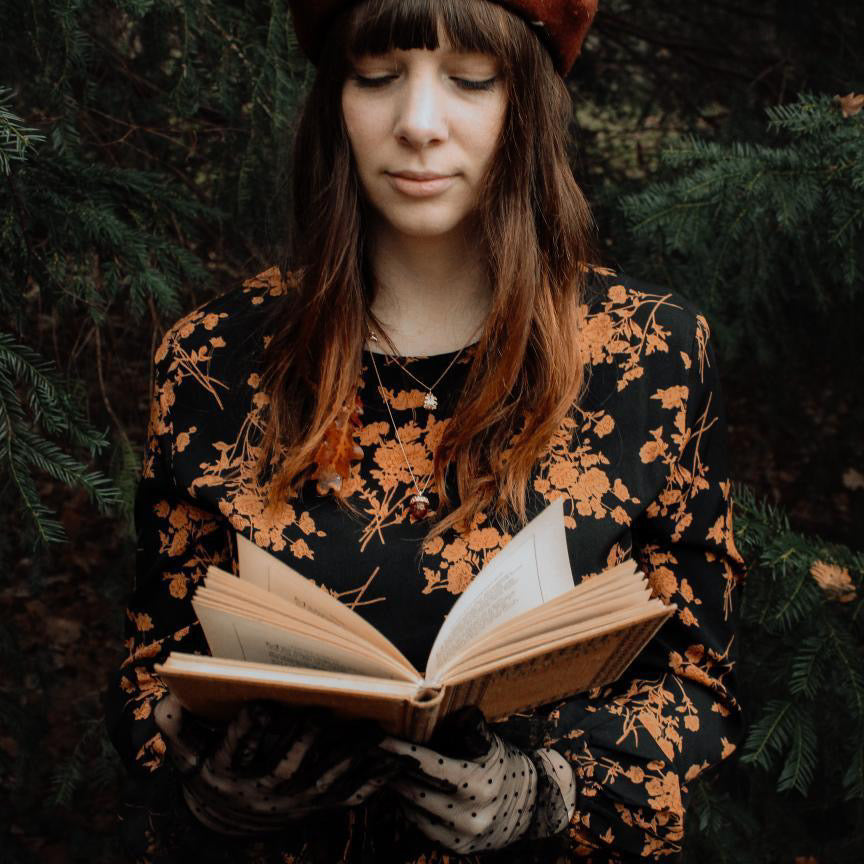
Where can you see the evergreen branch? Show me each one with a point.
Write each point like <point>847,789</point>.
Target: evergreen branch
<point>770,735</point>
<point>15,138</point>
<point>853,778</point>
<point>801,761</point>
<point>800,602</point>
<point>47,530</point>
<point>807,665</point>
<point>49,458</point>
<point>848,653</point>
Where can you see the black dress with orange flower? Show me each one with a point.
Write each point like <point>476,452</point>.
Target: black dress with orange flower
<point>641,465</point>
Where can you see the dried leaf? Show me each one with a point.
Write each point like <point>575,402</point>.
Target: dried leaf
<point>851,103</point>
<point>853,479</point>
<point>338,448</point>
<point>834,581</point>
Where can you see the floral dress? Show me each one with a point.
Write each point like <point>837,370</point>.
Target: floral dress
<point>641,464</point>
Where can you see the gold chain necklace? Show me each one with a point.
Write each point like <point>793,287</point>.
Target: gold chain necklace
<point>418,504</point>
<point>430,401</point>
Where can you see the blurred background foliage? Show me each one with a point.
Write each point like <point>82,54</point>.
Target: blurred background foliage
<point>144,167</point>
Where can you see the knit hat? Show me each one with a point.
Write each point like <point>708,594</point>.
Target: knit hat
<point>560,24</point>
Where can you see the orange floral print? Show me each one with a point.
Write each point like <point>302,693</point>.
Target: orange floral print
<point>640,462</point>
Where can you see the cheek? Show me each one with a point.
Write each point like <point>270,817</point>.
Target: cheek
<point>482,132</point>
<point>364,128</point>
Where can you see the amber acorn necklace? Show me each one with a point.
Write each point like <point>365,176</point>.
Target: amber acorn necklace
<point>419,502</point>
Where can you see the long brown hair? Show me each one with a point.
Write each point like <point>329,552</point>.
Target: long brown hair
<point>536,234</point>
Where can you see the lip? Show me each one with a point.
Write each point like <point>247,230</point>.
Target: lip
<point>420,184</point>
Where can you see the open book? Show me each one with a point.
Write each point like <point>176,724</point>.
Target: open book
<point>519,636</point>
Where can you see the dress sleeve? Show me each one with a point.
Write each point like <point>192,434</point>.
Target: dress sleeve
<point>176,542</point>
<point>637,745</point>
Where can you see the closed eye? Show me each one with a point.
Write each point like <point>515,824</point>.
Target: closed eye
<point>464,83</point>
<point>488,84</point>
<point>380,81</point>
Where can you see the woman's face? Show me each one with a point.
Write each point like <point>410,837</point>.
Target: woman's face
<point>424,114</point>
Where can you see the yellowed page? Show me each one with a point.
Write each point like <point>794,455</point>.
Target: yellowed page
<point>235,637</point>
<point>252,597</point>
<point>259,567</point>
<point>532,569</point>
<point>219,667</point>
<point>623,600</point>
<point>342,640</point>
<point>621,578</point>
<point>626,591</point>
<point>510,654</point>
<point>216,689</point>
<point>553,672</point>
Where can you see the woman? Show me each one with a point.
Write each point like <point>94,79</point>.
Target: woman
<point>442,358</point>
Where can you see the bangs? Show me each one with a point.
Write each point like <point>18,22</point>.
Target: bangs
<point>379,26</point>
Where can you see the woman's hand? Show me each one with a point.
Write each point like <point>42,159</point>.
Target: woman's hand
<point>272,764</point>
<point>484,795</point>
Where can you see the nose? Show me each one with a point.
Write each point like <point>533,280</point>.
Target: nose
<point>421,117</point>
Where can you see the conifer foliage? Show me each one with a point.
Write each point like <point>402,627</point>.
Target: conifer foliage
<point>772,233</point>
<point>144,150</point>
<point>797,785</point>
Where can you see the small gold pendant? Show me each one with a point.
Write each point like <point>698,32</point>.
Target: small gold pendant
<point>430,402</point>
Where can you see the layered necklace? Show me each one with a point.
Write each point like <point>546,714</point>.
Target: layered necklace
<point>418,505</point>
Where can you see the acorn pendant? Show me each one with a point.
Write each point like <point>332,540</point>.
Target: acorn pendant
<point>419,506</point>
<point>430,403</point>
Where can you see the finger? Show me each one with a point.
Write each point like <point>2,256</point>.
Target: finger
<point>238,746</point>
<point>430,763</point>
<point>230,816</point>
<point>363,775</point>
<point>444,833</point>
<point>366,791</point>
<point>324,757</point>
<point>445,807</point>
<point>168,716</point>
<point>434,766</point>
<point>288,766</point>
<point>208,816</point>
<point>277,728</point>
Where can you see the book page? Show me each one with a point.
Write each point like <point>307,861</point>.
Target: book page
<point>255,602</point>
<point>532,569</point>
<point>235,637</point>
<point>537,622</point>
<point>215,690</point>
<point>317,679</point>
<point>261,568</point>
<point>508,655</point>
<point>343,639</point>
<point>552,672</point>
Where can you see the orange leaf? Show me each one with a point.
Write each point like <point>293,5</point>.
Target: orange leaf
<point>338,448</point>
<point>851,103</point>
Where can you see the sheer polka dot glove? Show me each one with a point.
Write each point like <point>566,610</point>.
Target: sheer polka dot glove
<point>272,764</point>
<point>472,791</point>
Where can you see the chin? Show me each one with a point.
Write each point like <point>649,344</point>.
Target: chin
<point>424,224</point>
<point>425,229</point>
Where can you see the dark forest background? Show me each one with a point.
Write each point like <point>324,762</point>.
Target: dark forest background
<point>144,167</point>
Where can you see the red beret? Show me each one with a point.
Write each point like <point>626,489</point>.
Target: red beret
<point>564,22</point>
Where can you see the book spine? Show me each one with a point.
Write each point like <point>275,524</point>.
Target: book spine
<point>420,721</point>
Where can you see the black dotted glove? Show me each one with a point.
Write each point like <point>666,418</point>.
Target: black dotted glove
<point>472,791</point>
<point>272,764</point>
